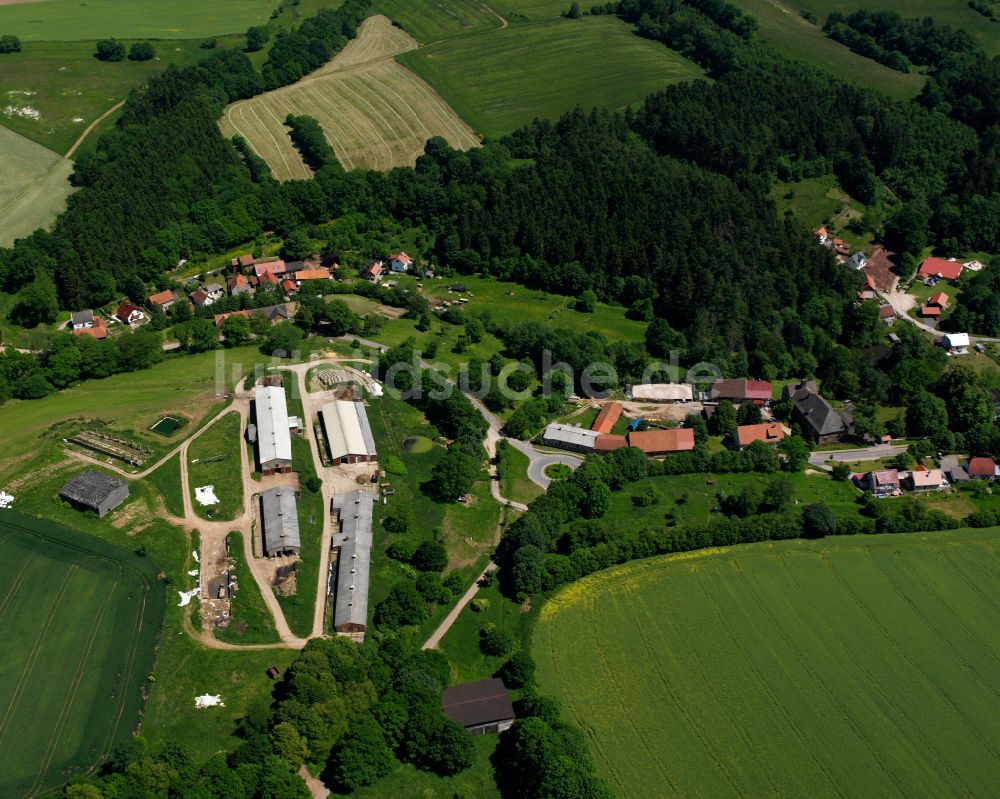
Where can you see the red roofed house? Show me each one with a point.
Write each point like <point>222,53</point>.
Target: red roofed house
<point>822,235</point>
<point>238,285</point>
<point>97,328</point>
<point>607,417</point>
<point>662,442</point>
<point>841,247</point>
<point>981,468</point>
<point>242,261</point>
<point>373,272</point>
<point>769,433</point>
<point>289,286</point>
<point>200,298</point>
<point>887,314</point>
<point>940,268</point>
<point>608,443</point>
<point>756,391</point>
<point>163,299</point>
<point>935,305</point>
<point>269,268</point>
<point>869,291</point>
<point>219,318</point>
<point>268,279</point>
<point>884,483</point>
<point>129,314</point>
<point>313,274</point>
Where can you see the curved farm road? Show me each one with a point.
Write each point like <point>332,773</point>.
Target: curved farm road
<point>91,126</point>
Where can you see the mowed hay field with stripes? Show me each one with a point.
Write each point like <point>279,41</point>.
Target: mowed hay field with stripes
<point>78,620</point>
<point>375,113</point>
<point>861,666</point>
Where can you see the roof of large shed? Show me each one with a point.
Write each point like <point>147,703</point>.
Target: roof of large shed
<point>347,430</point>
<point>354,563</point>
<point>680,439</point>
<point>91,487</point>
<point>279,515</point>
<point>663,392</point>
<point>607,417</point>
<point>274,442</point>
<point>475,703</point>
<point>567,434</point>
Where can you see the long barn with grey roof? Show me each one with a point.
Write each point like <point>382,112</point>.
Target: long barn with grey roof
<point>96,491</point>
<point>353,545</point>
<point>274,442</point>
<point>279,518</point>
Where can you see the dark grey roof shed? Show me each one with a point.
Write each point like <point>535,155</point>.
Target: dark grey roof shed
<point>474,704</point>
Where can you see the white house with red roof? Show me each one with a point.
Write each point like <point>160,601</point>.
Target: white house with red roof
<point>129,314</point>
<point>400,262</point>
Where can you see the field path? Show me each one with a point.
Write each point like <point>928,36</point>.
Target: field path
<point>91,126</point>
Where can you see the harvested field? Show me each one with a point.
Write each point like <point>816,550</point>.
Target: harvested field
<point>860,666</point>
<point>375,113</point>
<point>34,185</point>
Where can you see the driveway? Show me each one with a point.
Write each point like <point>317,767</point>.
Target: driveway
<point>818,460</point>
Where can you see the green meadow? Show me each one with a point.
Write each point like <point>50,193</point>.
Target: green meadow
<point>430,20</point>
<point>852,667</point>
<point>63,20</point>
<point>223,440</point>
<point>543,69</point>
<point>34,185</point>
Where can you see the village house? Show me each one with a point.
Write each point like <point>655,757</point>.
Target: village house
<point>869,291</point>
<point>320,273</point>
<point>607,417</point>
<point>268,279</point>
<point>215,291</point>
<point>289,286</point>
<point>926,480</point>
<point>882,483</point>
<point>887,314</point>
<point>739,391</point>
<point>819,420</point>
<point>857,261</point>
<point>373,272</point>
<point>822,235</point>
<point>275,268</point>
<point>934,269</point>
<point>129,314</point>
<point>768,432</point>
<point>956,343</point>
<point>981,468</point>
<point>238,285</point>
<point>242,262</point>
<point>81,320</point>
<point>400,262</point>
<point>162,300</point>
<point>87,323</point>
<point>840,247</point>
<point>200,298</point>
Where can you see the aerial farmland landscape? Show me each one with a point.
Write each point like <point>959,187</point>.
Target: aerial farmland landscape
<point>523,399</point>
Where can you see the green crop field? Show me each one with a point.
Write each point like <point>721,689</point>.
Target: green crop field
<point>533,9</point>
<point>861,666</point>
<point>224,438</point>
<point>508,78</point>
<point>955,13</point>
<point>430,20</point>
<point>52,91</point>
<point>78,620</point>
<point>34,185</point>
<point>70,20</point>
<point>783,27</point>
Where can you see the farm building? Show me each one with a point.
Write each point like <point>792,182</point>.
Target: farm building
<point>482,707</point>
<point>352,543</point>
<point>819,420</point>
<point>755,391</point>
<point>565,436</point>
<point>662,442</point>
<point>274,441</point>
<point>348,434</point>
<point>91,325</point>
<point>606,418</point>
<point>956,343</point>
<point>662,392</point>
<point>609,443</point>
<point>96,491</point>
<point>163,299</point>
<point>769,433</point>
<point>882,483</point>
<point>279,520</point>
<point>81,320</point>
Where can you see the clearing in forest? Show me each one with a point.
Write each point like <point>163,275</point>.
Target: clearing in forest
<point>861,666</point>
<point>78,619</point>
<point>34,185</point>
<point>374,112</point>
